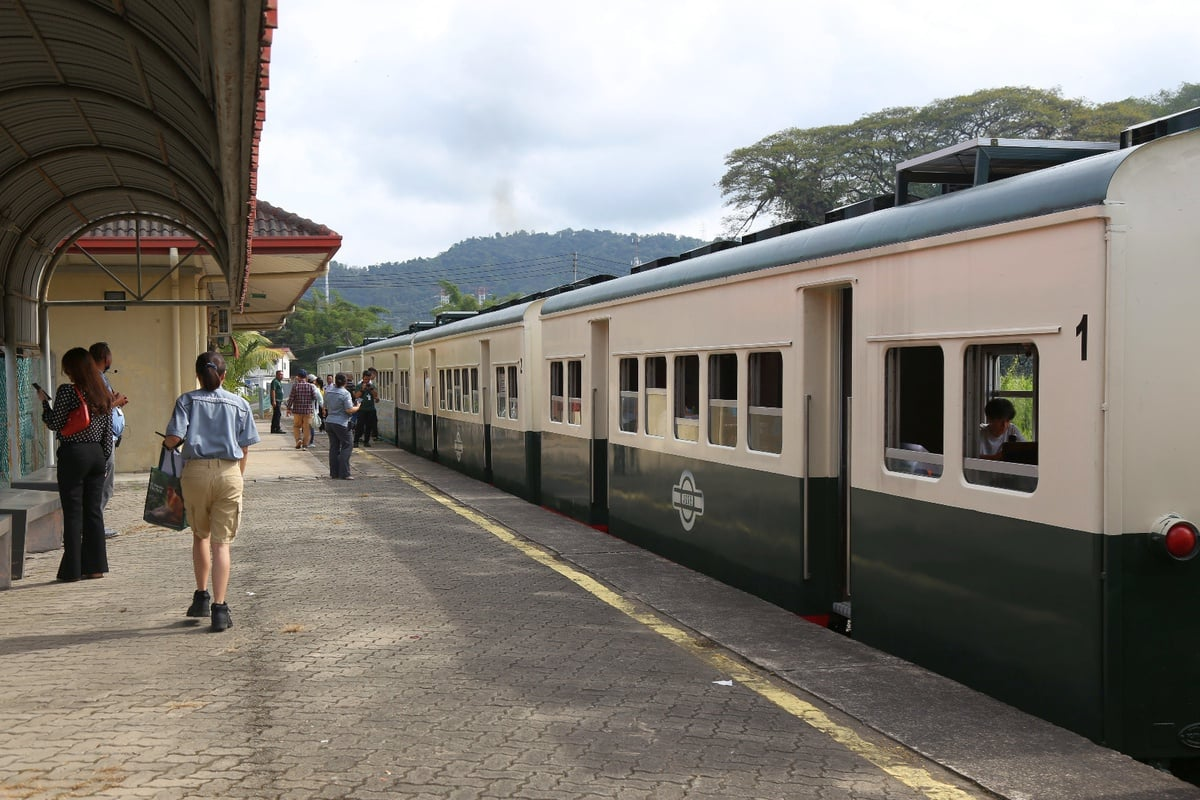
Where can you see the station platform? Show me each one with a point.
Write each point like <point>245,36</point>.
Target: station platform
<point>415,633</point>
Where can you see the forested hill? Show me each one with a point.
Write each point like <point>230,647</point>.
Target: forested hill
<point>499,266</point>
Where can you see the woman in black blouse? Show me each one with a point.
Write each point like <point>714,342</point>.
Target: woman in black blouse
<point>81,460</point>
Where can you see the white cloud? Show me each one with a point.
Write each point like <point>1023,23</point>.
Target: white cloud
<point>408,126</point>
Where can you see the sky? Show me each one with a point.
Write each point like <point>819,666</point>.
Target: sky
<point>409,126</point>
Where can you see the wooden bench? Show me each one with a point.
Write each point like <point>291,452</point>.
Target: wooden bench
<point>37,524</point>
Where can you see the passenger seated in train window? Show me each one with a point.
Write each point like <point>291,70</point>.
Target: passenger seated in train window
<point>999,429</point>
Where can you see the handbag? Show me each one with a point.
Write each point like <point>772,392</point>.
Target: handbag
<point>79,418</point>
<point>164,494</point>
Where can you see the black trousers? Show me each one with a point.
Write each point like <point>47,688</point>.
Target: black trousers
<point>275,411</point>
<point>339,450</point>
<point>81,490</point>
<point>367,425</point>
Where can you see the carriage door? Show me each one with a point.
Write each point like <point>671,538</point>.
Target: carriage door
<point>485,404</point>
<point>439,398</point>
<point>825,435</point>
<point>599,422</point>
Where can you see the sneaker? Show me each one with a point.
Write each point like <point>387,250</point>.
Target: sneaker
<point>366,444</point>
<point>200,604</point>
<point>110,533</point>
<point>220,617</point>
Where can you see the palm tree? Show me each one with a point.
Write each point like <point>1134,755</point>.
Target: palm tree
<point>250,351</point>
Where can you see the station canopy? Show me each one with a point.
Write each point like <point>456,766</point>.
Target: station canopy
<point>120,108</point>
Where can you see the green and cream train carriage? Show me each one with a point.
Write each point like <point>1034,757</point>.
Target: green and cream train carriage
<point>477,414</point>
<point>800,417</point>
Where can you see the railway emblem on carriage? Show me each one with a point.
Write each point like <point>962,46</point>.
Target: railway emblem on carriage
<point>687,500</point>
<point>458,445</point>
<point>1190,736</point>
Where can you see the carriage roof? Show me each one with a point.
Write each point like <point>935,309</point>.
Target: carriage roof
<point>1076,184</point>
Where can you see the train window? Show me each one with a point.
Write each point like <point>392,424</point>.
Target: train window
<point>575,392</point>
<point>656,396</point>
<point>442,389</point>
<point>458,388</point>
<point>386,381</point>
<point>687,398</point>
<point>914,394</point>
<point>474,390</point>
<point>501,393</point>
<point>556,391</point>
<point>425,388</point>
<point>1000,405</point>
<point>512,392</point>
<point>402,389</point>
<point>629,395</point>
<point>722,399</point>
<point>765,418</point>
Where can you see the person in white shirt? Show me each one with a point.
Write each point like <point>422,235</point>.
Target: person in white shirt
<point>999,429</point>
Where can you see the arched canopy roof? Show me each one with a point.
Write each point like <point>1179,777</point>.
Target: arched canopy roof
<point>111,107</point>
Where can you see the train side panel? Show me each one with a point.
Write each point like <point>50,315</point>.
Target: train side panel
<point>1154,452</point>
<point>683,477</point>
<point>992,582</point>
<point>514,444</point>
<point>573,443</point>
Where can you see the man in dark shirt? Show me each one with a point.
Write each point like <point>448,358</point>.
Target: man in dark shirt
<point>276,401</point>
<point>368,420</point>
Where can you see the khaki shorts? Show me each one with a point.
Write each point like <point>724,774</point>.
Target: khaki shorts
<point>212,496</point>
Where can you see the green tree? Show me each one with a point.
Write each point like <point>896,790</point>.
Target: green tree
<point>249,350</point>
<point>457,300</point>
<point>317,327</point>
<point>800,173</point>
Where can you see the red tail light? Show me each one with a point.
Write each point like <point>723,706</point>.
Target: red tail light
<point>1176,537</point>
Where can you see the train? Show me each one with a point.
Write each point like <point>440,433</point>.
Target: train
<point>799,416</point>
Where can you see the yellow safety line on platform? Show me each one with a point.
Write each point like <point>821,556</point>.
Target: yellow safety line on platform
<point>893,763</point>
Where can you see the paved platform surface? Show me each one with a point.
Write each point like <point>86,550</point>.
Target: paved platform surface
<point>413,633</point>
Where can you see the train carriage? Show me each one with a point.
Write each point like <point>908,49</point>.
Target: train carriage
<point>808,417</point>
<point>391,358</point>
<point>1053,576</point>
<point>573,421</point>
<point>697,416</point>
<point>478,416</point>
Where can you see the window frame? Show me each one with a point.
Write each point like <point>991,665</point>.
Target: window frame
<point>721,407</point>
<point>910,462</point>
<point>656,393</point>
<point>574,408</point>
<point>625,394</point>
<point>756,408</point>
<point>981,382</point>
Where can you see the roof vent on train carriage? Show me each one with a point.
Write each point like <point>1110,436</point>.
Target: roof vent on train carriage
<point>446,317</point>
<point>711,247</point>
<point>979,161</point>
<point>877,203</point>
<point>1163,126</point>
<point>776,230</point>
<point>655,264</point>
